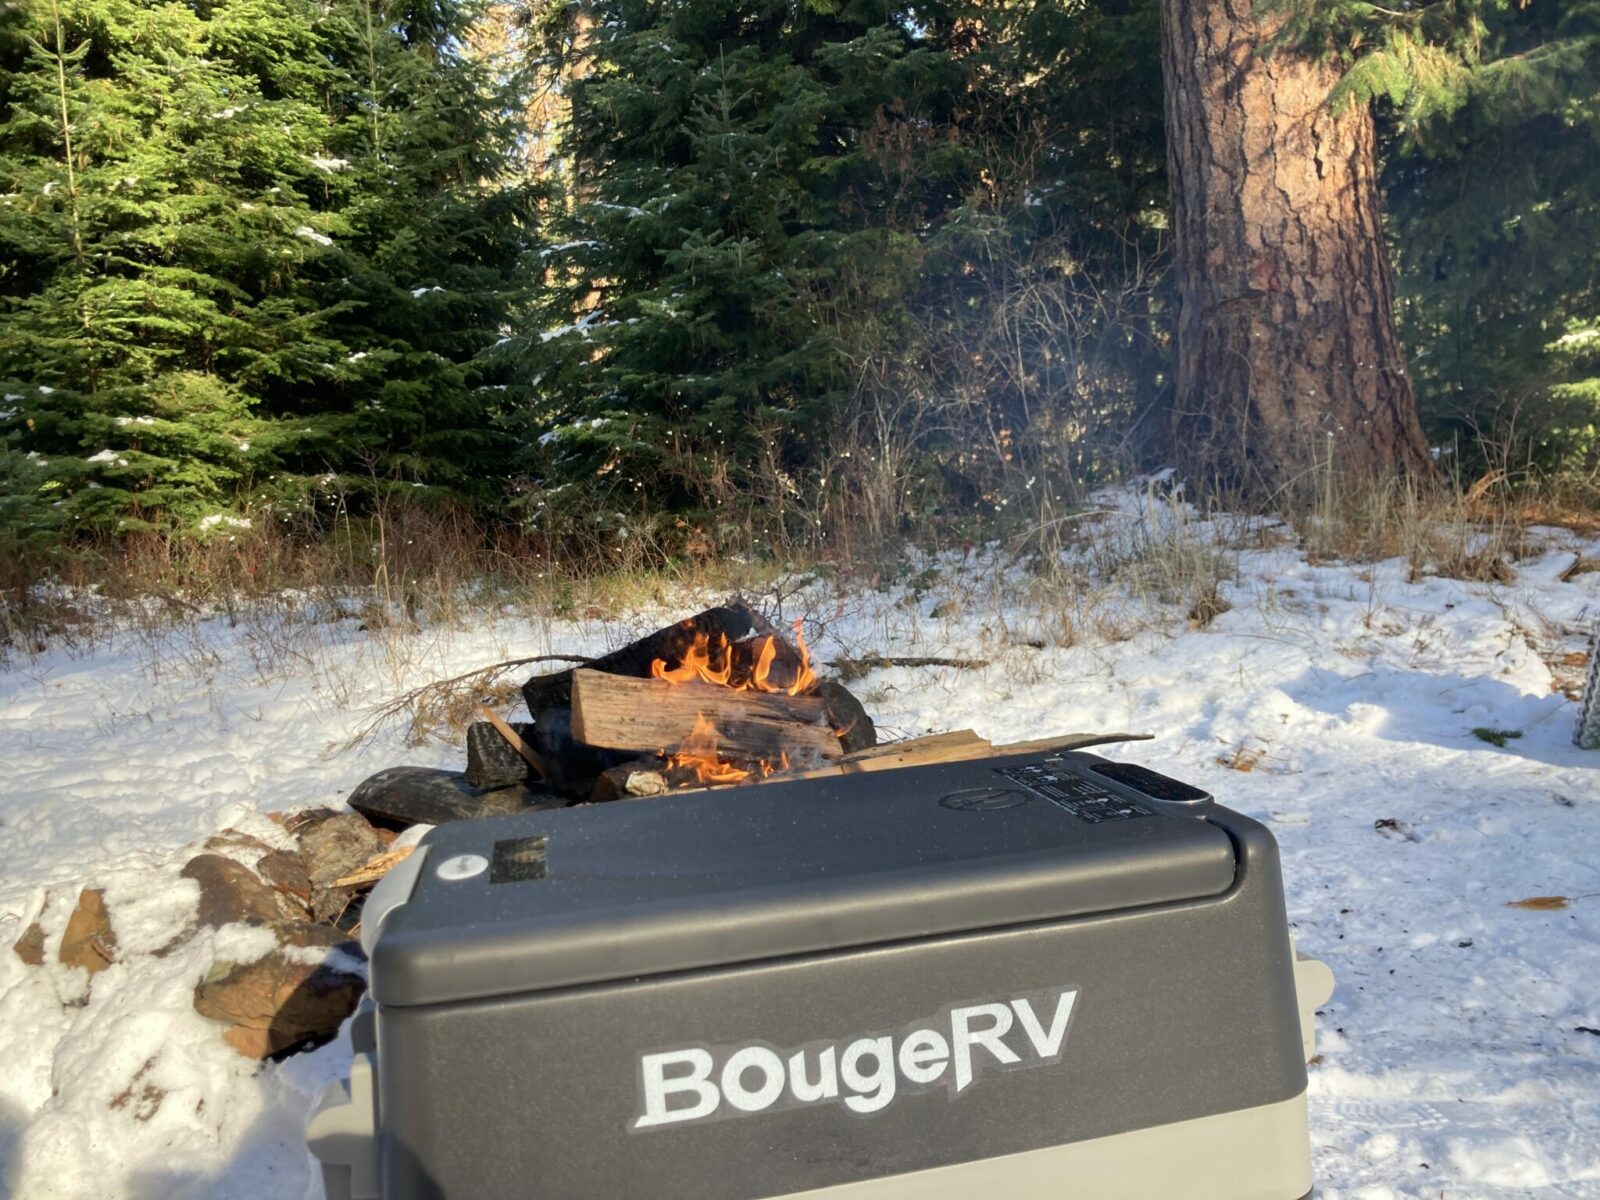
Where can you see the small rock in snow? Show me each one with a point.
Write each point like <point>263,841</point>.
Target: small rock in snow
<point>30,946</point>
<point>89,941</point>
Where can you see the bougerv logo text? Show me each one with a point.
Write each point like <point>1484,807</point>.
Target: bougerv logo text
<point>865,1074</point>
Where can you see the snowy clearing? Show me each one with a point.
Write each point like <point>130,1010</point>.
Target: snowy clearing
<point>1459,1056</point>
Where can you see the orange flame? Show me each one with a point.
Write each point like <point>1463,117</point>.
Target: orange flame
<point>699,754</point>
<point>712,662</point>
<point>696,663</point>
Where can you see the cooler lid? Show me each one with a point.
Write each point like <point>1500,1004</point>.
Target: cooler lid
<point>632,888</point>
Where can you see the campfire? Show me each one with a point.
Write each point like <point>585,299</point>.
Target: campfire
<point>719,699</point>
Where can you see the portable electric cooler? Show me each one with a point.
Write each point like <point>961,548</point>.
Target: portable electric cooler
<point>1005,979</point>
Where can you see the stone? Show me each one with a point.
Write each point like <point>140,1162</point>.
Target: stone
<point>332,848</point>
<point>492,762</point>
<point>336,846</point>
<point>285,870</point>
<point>230,892</point>
<point>405,796</point>
<point>30,946</point>
<point>314,935</point>
<point>275,1006</point>
<point>89,941</point>
<point>847,717</point>
<point>232,839</point>
<point>573,766</point>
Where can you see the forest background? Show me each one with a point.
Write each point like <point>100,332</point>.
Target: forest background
<point>638,282</point>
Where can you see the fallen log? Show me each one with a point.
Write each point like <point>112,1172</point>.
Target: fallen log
<point>619,713</point>
<point>852,669</point>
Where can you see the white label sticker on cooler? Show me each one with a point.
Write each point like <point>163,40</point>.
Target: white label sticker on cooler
<point>462,866</point>
<point>864,1074</point>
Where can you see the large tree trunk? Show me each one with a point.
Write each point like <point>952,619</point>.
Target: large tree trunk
<point>1287,351</point>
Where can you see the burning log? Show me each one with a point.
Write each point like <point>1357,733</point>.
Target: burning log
<point>619,713</point>
<point>732,622</point>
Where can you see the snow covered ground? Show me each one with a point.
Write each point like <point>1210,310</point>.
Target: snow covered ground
<point>1459,1056</point>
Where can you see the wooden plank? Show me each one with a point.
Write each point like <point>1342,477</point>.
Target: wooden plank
<point>1068,741</point>
<point>963,745</point>
<point>958,746</point>
<point>619,713</point>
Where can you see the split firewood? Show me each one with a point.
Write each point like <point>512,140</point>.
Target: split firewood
<point>957,746</point>
<point>621,713</point>
<point>1068,741</point>
<point>492,761</point>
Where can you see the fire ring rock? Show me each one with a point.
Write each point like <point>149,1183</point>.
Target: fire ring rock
<point>276,1004</point>
<point>230,892</point>
<point>331,849</point>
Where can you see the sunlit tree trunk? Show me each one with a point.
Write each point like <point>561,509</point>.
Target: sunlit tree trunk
<point>1287,351</point>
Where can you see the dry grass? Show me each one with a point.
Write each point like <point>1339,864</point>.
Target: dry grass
<point>288,594</point>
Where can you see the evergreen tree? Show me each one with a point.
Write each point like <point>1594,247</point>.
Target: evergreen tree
<point>1493,183</point>
<point>748,179</point>
<point>428,262</point>
<point>245,244</point>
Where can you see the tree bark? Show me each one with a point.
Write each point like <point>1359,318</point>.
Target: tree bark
<point>1286,345</point>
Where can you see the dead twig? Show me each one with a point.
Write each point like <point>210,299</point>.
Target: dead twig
<point>851,669</point>
<point>430,694</point>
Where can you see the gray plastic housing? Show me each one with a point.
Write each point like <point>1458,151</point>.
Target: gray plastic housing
<point>517,1004</point>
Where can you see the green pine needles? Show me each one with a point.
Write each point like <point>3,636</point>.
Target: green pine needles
<point>249,252</point>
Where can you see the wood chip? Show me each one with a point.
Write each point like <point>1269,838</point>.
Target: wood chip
<point>375,868</point>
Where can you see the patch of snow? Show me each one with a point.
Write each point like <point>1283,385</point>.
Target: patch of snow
<point>1351,692</point>
<point>330,165</point>
<point>564,247</point>
<point>216,519</point>
<point>311,235</point>
<point>418,293</point>
<point>107,456</point>
<point>582,325</point>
